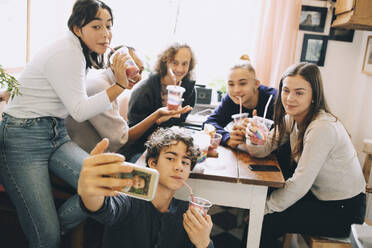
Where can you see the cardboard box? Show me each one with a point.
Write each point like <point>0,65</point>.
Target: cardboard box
<point>353,14</point>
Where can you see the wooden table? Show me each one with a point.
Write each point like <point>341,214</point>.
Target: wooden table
<point>227,181</point>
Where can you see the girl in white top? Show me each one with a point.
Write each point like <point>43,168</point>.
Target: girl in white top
<point>325,194</point>
<point>33,137</point>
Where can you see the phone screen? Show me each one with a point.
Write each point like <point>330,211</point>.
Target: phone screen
<point>144,182</point>
<point>263,167</point>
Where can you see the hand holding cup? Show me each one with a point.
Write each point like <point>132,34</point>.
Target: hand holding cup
<point>131,68</point>
<point>258,129</point>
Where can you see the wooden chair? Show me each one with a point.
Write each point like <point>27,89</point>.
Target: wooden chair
<point>61,192</point>
<point>323,242</point>
<point>367,149</point>
<point>318,242</point>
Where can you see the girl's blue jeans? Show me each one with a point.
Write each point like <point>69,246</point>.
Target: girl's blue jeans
<point>29,149</point>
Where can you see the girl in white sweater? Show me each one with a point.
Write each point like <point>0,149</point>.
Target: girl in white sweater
<point>325,194</point>
<point>33,137</point>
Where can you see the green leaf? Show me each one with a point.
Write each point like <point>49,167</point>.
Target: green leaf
<point>9,82</point>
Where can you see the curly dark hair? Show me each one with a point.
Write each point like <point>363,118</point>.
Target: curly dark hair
<point>164,137</point>
<point>168,56</point>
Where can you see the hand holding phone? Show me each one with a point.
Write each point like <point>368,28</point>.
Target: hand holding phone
<point>263,167</point>
<point>144,182</point>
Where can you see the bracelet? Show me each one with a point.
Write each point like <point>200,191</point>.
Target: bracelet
<point>121,86</point>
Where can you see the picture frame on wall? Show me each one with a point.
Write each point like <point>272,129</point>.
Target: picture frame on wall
<point>367,61</point>
<point>314,49</point>
<point>313,18</point>
<point>341,34</point>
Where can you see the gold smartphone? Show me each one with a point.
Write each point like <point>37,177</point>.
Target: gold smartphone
<point>144,182</point>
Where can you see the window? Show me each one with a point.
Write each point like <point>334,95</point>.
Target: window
<point>217,31</point>
<point>13,19</point>
<point>48,22</point>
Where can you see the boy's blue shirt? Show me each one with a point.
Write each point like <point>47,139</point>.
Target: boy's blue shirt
<point>222,114</point>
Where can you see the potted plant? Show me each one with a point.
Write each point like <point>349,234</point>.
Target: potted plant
<point>220,86</point>
<point>8,82</point>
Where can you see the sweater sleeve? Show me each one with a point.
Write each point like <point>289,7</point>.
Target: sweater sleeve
<point>318,143</point>
<point>111,125</point>
<point>67,77</point>
<point>220,118</point>
<point>108,124</point>
<point>189,100</point>
<point>140,105</point>
<point>261,151</point>
<point>114,210</point>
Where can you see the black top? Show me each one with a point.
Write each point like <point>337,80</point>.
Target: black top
<point>132,222</point>
<point>222,114</point>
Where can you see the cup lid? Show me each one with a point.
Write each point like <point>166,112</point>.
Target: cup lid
<point>121,50</point>
<point>176,88</point>
<point>238,115</point>
<point>201,202</point>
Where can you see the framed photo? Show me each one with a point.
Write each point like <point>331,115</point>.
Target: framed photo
<point>341,34</point>
<point>313,18</point>
<point>367,62</point>
<point>314,49</point>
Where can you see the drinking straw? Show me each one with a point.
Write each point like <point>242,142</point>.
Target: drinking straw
<point>173,76</point>
<point>240,106</point>
<point>267,105</point>
<point>190,189</point>
<point>112,49</point>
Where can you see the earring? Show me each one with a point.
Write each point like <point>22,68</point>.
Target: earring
<point>312,101</point>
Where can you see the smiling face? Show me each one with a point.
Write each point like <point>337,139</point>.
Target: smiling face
<point>243,84</point>
<point>96,34</point>
<point>173,165</point>
<point>180,64</point>
<point>138,182</point>
<point>296,97</point>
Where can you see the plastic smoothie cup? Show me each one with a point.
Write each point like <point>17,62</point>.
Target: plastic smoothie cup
<point>238,118</point>
<point>174,96</point>
<point>200,204</point>
<point>132,69</point>
<point>260,128</point>
<point>215,141</point>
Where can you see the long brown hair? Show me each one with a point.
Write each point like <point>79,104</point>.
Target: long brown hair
<point>310,72</point>
<point>168,56</point>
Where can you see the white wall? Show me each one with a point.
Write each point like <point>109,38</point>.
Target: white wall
<point>347,89</point>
